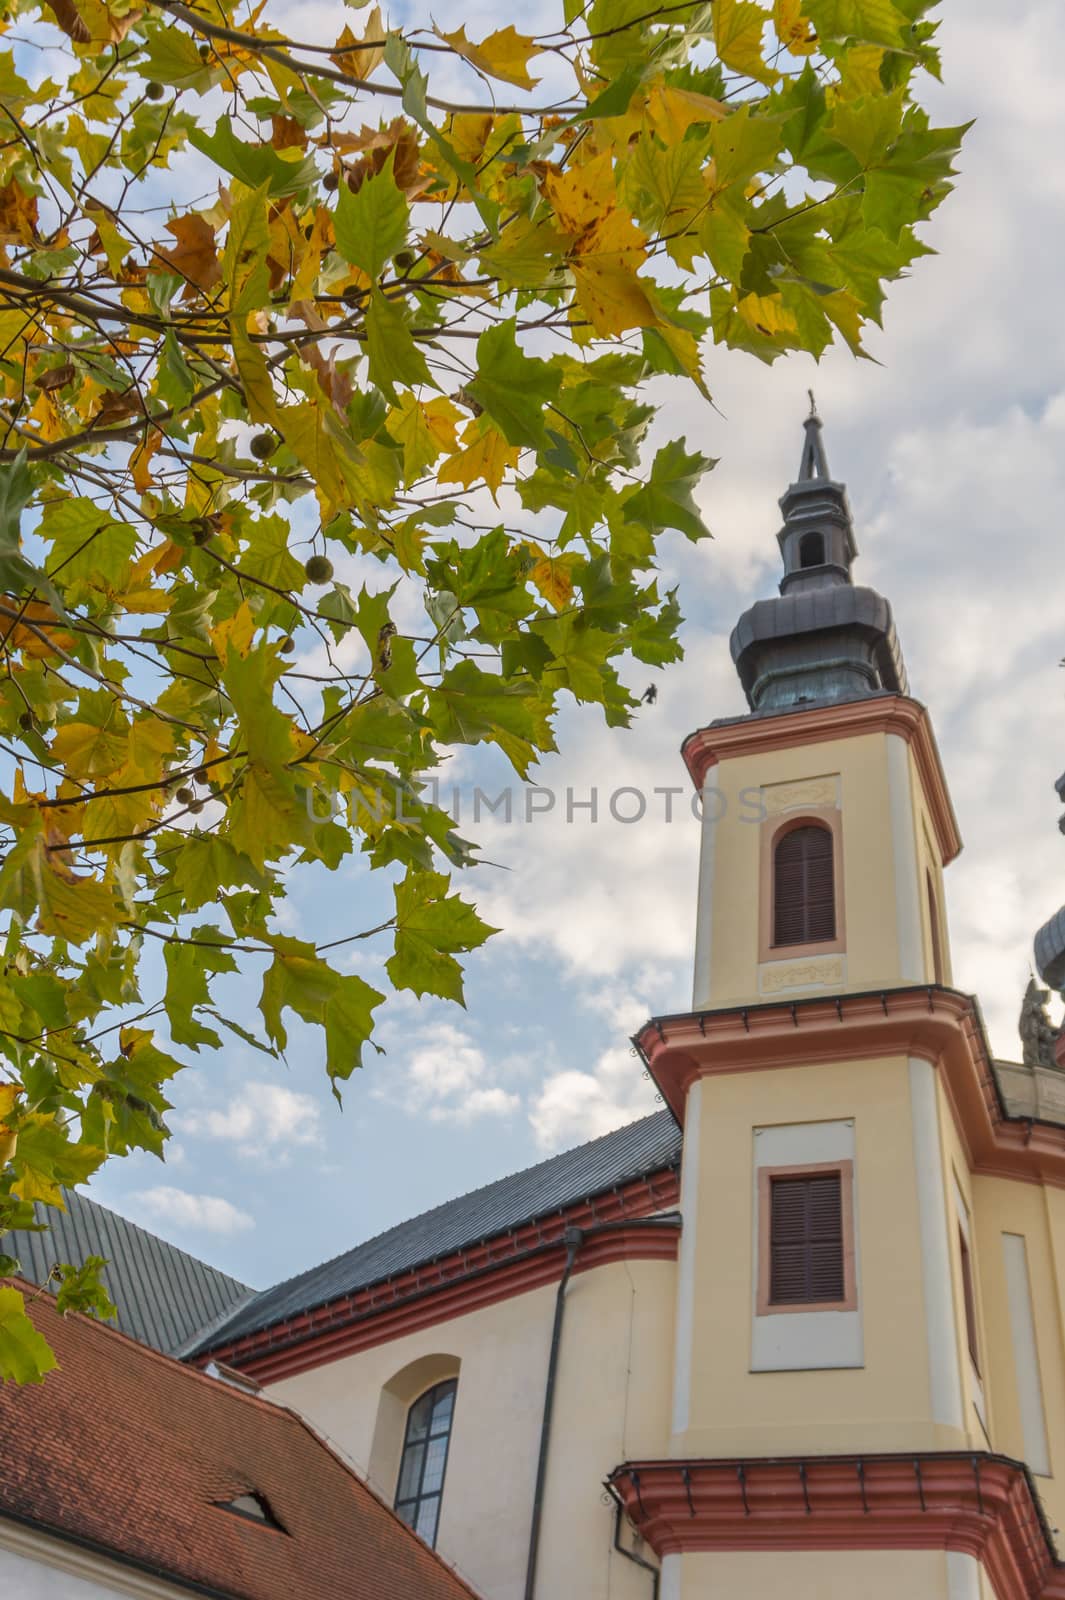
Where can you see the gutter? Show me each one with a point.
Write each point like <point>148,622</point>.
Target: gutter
<point>622,1550</point>
<point>573,1238</point>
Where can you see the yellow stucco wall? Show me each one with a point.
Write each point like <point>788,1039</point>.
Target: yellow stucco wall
<point>826,1575</point>
<point>876,843</point>
<point>612,1402</point>
<point>1002,1206</point>
<point>883,1405</point>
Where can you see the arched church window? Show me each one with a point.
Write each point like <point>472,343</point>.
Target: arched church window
<point>812,550</point>
<point>804,886</point>
<point>933,923</point>
<point>424,1459</point>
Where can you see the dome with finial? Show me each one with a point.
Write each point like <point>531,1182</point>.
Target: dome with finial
<point>823,639</point>
<point>1050,940</point>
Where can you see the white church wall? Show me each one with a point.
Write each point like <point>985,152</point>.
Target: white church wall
<point>612,1402</point>
<point>36,1567</point>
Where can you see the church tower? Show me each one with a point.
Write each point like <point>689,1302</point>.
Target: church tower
<point>867,1333</point>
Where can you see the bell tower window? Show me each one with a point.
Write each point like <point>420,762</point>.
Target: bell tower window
<point>812,550</point>
<point>804,886</point>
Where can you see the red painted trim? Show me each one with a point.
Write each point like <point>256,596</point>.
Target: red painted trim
<point>513,1263</point>
<point>982,1505</point>
<point>939,1025</point>
<point>895,713</point>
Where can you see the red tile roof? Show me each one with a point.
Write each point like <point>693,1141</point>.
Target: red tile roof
<point>127,1450</point>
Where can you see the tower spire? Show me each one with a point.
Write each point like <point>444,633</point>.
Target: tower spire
<point>823,639</point>
<point>814,463</point>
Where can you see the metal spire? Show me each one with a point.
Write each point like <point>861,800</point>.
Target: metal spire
<point>814,463</point>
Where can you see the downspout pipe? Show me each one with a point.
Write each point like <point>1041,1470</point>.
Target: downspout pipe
<point>623,1550</point>
<point>572,1238</point>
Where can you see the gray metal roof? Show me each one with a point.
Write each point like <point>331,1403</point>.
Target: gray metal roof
<point>642,1147</point>
<point>162,1295</point>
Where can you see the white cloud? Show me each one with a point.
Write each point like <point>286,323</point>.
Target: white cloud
<point>260,1116</point>
<point>573,1106</point>
<point>445,1075</point>
<point>164,1205</point>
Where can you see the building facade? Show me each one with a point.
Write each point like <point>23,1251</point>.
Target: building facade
<point>803,1331</point>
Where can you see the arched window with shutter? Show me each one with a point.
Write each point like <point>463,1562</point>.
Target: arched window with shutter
<point>804,886</point>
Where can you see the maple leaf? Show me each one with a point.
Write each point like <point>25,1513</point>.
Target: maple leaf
<point>18,214</point>
<point>504,54</point>
<point>357,57</point>
<point>194,257</point>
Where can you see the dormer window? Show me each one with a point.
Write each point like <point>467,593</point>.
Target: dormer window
<point>253,1506</point>
<point>812,550</point>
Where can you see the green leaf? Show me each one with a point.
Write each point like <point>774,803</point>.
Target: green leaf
<point>431,925</point>
<point>258,166</point>
<point>247,243</point>
<point>80,1289</point>
<point>863,21</point>
<point>512,387</point>
<point>299,980</point>
<point>666,499</point>
<point>372,225</point>
<point>393,355</point>
<point>24,1353</point>
<point>187,987</point>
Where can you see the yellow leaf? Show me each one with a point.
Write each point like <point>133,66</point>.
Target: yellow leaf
<point>69,906</point>
<point>138,461</point>
<point>234,633</point>
<point>504,54</point>
<point>488,456</point>
<point>357,58</point>
<point>320,241</point>
<point>738,30</point>
<point>767,315</point>
<point>115,247</point>
<point>254,375</point>
<point>145,602</point>
<point>604,267</point>
<point>580,195</point>
<point>860,71</point>
<point>469,133</point>
<point>673,111</point>
<point>551,576</point>
<point>795,32</point>
<point>85,751</point>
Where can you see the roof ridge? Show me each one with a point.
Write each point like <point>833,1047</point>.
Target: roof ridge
<point>419,1216</point>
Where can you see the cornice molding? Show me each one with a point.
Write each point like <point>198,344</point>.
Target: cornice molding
<point>526,1258</point>
<point>980,1504</point>
<point>886,713</point>
<point>938,1025</point>
<point>107,1570</point>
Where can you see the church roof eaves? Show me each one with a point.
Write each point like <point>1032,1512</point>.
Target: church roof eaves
<point>632,1152</point>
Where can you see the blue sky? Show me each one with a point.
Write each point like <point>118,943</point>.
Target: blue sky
<point>953,448</point>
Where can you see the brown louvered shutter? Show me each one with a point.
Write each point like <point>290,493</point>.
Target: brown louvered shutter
<point>969,1298</point>
<point>806,1240</point>
<point>804,887</point>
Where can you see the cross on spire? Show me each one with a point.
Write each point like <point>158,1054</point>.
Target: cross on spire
<point>814,463</point>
